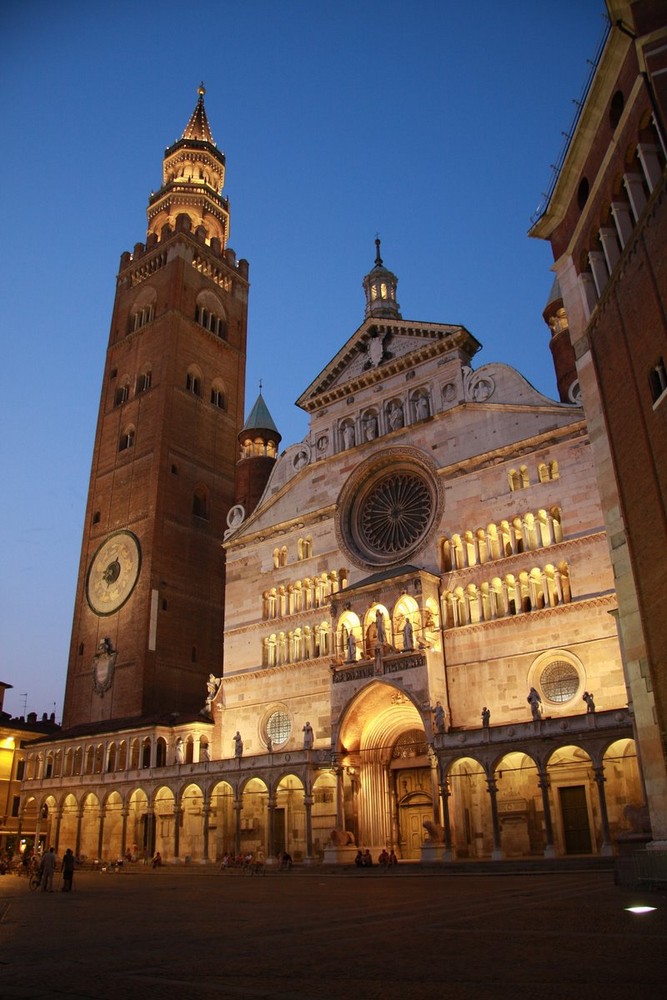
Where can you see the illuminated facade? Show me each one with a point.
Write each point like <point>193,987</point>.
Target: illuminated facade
<point>419,604</point>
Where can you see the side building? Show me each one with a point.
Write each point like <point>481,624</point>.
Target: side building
<point>606,220</point>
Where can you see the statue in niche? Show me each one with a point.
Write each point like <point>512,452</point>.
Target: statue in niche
<point>395,416</point>
<point>421,407</point>
<point>238,745</point>
<point>351,647</point>
<point>370,427</point>
<point>308,736</point>
<point>486,716</point>
<point>348,435</point>
<point>408,635</point>
<point>380,629</point>
<point>180,751</point>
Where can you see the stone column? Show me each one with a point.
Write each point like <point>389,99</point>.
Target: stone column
<point>177,828</point>
<point>79,820</point>
<point>598,264</point>
<point>123,833</point>
<point>237,806</point>
<point>308,806</point>
<point>100,835</point>
<point>270,816</point>
<point>636,194</point>
<point>446,820</point>
<point>206,811</point>
<point>544,784</point>
<point>497,854</point>
<point>606,850</point>
<point>622,216</point>
<point>609,241</point>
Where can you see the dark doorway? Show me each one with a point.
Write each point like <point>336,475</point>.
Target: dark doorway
<point>575,820</point>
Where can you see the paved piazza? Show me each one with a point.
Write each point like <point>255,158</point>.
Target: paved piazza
<point>328,936</point>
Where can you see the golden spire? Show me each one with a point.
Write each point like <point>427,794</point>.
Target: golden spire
<point>198,127</point>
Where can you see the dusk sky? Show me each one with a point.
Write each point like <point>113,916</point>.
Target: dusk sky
<point>431,123</point>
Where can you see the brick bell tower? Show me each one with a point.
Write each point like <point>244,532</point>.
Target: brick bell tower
<point>148,618</point>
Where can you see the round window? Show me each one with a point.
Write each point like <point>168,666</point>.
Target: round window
<point>388,510</point>
<point>559,681</point>
<point>278,728</point>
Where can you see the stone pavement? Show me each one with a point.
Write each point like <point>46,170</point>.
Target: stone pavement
<point>316,935</point>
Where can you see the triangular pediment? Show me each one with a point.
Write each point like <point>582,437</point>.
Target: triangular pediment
<point>380,348</point>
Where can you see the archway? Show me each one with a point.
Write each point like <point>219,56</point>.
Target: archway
<point>289,818</point>
<point>192,824</point>
<point>383,759</point>
<point>159,824</point>
<point>90,826</point>
<point>254,801</point>
<point>221,821</point>
<point>576,812</point>
<point>472,832</point>
<point>112,831</point>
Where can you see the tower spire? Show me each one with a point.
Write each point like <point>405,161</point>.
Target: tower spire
<point>193,176</point>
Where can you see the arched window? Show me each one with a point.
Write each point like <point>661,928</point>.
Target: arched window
<point>218,394</point>
<point>193,382</point>
<point>126,439</point>
<point>122,393</point>
<point>144,381</point>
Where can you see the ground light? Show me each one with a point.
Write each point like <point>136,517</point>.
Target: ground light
<point>640,909</point>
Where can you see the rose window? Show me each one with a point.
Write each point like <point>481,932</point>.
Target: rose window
<point>395,514</point>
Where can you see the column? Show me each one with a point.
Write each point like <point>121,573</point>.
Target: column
<point>544,784</point>
<point>609,241</point>
<point>622,217</point>
<point>308,806</point>
<point>606,850</point>
<point>599,268</point>
<point>648,157</point>
<point>206,810</point>
<point>636,194</point>
<point>270,816</point>
<point>100,836</point>
<point>237,806</point>
<point>123,833</point>
<point>79,820</point>
<point>589,296</point>
<point>58,817</point>
<point>492,788</point>
<point>446,820</point>
<point>177,828</point>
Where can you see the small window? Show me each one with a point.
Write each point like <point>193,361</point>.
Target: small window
<point>582,192</point>
<point>126,439</point>
<point>20,770</point>
<point>96,517</point>
<point>144,381</point>
<point>193,383</point>
<point>122,394</point>
<point>218,398</point>
<point>16,801</point>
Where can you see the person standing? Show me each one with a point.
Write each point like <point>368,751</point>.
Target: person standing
<point>68,870</point>
<point>48,868</point>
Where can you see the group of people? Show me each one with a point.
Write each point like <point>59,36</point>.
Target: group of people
<point>386,859</point>
<point>44,868</point>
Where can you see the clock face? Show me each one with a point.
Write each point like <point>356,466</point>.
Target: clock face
<point>113,572</point>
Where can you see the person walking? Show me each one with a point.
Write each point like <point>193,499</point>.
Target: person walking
<point>68,870</point>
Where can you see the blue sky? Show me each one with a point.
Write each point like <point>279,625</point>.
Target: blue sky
<point>430,122</point>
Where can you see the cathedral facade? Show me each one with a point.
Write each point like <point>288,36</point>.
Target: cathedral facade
<point>420,648</point>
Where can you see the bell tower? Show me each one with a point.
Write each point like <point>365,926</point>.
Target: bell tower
<point>148,617</point>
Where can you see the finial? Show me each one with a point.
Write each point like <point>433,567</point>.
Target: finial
<point>260,385</point>
<point>378,258</point>
<point>202,89</point>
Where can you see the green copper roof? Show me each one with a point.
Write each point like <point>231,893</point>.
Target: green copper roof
<point>259,418</point>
